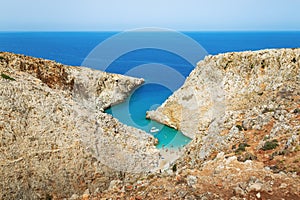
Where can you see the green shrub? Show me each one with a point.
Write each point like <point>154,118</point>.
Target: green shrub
<point>239,127</point>
<point>242,147</point>
<point>297,110</point>
<point>174,168</point>
<point>7,77</point>
<point>270,145</point>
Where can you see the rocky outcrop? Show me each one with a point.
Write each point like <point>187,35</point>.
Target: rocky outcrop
<point>220,178</point>
<point>241,109</point>
<point>243,112</point>
<point>54,139</point>
<point>91,88</point>
<point>230,95</point>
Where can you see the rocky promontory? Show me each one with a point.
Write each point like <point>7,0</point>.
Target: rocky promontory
<point>55,139</point>
<point>230,97</point>
<point>242,111</point>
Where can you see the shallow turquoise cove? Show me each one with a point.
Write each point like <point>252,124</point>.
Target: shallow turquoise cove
<point>133,111</point>
<point>72,48</point>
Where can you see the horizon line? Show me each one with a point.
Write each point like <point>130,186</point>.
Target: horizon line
<point>183,30</point>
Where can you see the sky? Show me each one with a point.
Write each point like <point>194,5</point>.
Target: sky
<point>106,15</point>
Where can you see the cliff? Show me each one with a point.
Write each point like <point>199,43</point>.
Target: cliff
<point>243,112</point>
<point>55,141</point>
<point>231,95</point>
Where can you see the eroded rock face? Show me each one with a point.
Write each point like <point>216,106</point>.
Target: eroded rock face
<point>243,112</point>
<point>241,109</point>
<point>221,178</point>
<point>54,139</point>
<point>231,95</point>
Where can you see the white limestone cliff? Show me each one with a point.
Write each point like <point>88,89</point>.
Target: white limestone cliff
<point>54,139</point>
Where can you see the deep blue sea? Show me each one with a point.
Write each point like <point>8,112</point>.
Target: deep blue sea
<point>167,69</point>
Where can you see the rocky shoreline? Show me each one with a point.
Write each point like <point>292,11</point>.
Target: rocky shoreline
<point>241,109</point>
<point>55,141</point>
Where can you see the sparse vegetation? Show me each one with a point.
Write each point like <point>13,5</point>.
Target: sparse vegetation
<point>296,160</point>
<point>283,152</point>
<point>2,58</point>
<point>239,127</point>
<point>174,168</point>
<point>266,137</point>
<point>270,145</point>
<point>242,147</point>
<point>227,64</point>
<point>297,110</point>
<point>7,77</point>
<point>246,156</point>
<point>279,153</point>
<point>263,64</point>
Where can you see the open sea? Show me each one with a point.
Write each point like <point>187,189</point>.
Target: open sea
<point>74,48</point>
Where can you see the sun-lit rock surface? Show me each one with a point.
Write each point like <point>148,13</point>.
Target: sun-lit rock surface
<point>246,106</point>
<point>231,95</point>
<point>241,109</point>
<point>54,141</point>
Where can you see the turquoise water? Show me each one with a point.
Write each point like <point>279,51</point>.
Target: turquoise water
<point>72,48</point>
<point>133,111</point>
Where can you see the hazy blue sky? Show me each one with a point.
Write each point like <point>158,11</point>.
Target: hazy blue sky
<point>175,14</point>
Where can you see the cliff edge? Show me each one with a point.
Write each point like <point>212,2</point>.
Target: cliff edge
<point>242,110</point>
<point>232,95</point>
<point>55,139</point>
